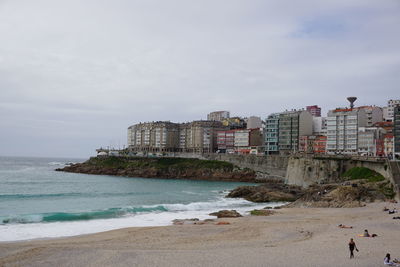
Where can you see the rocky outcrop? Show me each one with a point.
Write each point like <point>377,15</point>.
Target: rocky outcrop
<point>163,168</point>
<point>273,192</point>
<point>226,214</point>
<point>264,212</point>
<point>341,196</point>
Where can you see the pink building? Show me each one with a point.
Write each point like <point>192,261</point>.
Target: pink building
<point>314,110</point>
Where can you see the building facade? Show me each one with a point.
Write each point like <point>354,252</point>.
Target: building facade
<point>391,109</point>
<point>218,115</point>
<point>342,130</point>
<point>292,125</point>
<point>396,131</point>
<point>160,136</point>
<point>254,122</point>
<point>315,111</point>
<point>271,134</point>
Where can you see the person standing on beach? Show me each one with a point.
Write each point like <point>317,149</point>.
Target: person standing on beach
<point>352,246</point>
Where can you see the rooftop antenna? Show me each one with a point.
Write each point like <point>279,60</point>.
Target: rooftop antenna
<point>352,99</point>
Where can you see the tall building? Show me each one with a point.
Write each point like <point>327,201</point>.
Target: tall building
<point>271,134</point>
<point>315,111</point>
<point>390,109</point>
<point>342,130</point>
<point>396,130</point>
<point>292,125</point>
<point>218,115</point>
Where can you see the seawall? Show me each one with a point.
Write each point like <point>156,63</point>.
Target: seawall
<point>305,170</point>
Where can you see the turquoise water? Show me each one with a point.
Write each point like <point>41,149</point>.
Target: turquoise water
<point>36,201</point>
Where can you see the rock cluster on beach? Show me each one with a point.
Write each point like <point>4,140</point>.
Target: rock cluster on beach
<point>271,192</point>
<point>163,168</point>
<point>226,214</point>
<point>348,194</point>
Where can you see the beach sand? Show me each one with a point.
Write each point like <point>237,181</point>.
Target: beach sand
<point>291,237</point>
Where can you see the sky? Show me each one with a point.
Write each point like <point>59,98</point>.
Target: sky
<point>75,74</point>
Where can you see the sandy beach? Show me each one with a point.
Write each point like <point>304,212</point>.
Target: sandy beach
<point>291,237</point>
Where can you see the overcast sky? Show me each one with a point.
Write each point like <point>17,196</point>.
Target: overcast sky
<point>74,74</point>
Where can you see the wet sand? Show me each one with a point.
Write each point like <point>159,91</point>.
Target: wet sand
<point>291,237</point>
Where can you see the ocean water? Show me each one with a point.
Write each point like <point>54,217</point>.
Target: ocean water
<point>38,202</point>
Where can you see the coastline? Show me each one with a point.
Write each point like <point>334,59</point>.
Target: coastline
<point>291,237</point>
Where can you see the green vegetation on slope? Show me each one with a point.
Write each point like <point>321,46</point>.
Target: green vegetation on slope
<point>160,163</point>
<point>363,173</point>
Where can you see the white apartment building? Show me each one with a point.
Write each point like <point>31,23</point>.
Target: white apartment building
<point>367,140</point>
<point>242,138</point>
<point>342,130</point>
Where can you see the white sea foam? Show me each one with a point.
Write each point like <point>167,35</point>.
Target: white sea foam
<point>16,232</point>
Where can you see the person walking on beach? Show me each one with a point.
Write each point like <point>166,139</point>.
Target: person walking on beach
<point>352,246</point>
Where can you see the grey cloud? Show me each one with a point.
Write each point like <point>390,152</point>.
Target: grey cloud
<point>91,68</point>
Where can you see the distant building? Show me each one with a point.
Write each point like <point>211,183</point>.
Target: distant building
<point>315,111</point>
<point>319,126</point>
<point>389,110</point>
<point>200,136</point>
<point>234,123</point>
<point>218,115</point>
<point>226,141</point>
<point>254,122</point>
<point>396,130</point>
<point>319,145</point>
<point>315,144</point>
<point>271,134</point>
<point>388,145</point>
<point>370,141</point>
<point>246,139</point>
<point>342,129</point>
<point>157,136</point>
<point>292,125</point>
<point>387,125</point>
<point>373,115</point>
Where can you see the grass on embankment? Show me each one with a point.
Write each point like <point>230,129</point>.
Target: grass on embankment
<point>370,176</point>
<point>160,163</point>
<point>357,173</point>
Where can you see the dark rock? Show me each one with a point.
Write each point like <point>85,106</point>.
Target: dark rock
<point>274,192</point>
<point>226,214</point>
<point>261,212</point>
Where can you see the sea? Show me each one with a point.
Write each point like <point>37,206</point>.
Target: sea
<point>37,202</point>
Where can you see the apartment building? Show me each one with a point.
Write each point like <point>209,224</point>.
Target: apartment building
<point>342,130</point>
<point>373,114</point>
<point>157,136</point>
<point>271,134</point>
<point>201,136</point>
<point>315,144</point>
<point>292,125</point>
<point>315,111</point>
<point>388,112</point>
<point>396,130</point>
<point>226,141</point>
<point>218,115</point>
<point>370,141</point>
